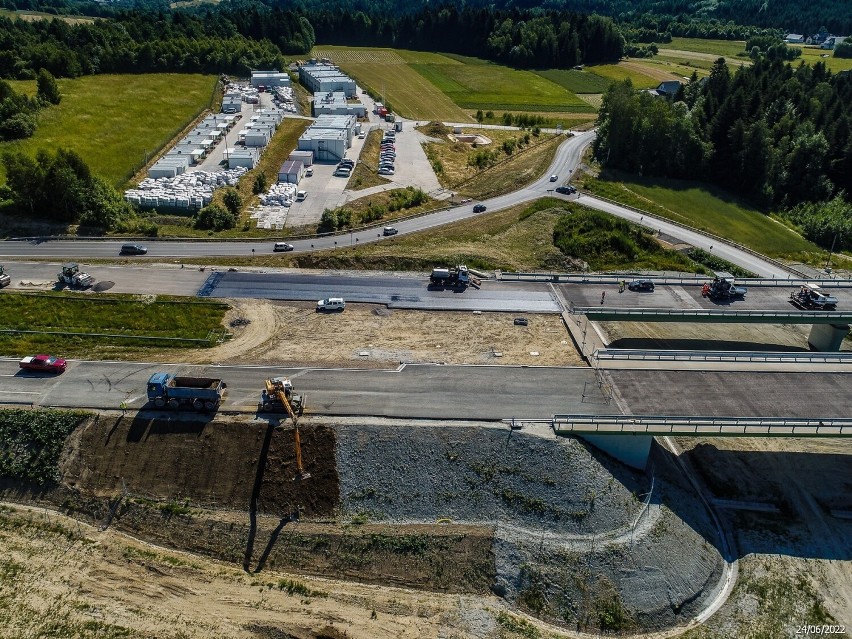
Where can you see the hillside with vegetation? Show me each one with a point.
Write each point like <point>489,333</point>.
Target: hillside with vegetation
<point>778,136</point>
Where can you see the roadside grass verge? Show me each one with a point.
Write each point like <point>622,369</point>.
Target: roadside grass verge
<point>125,315</point>
<point>520,238</point>
<point>703,207</point>
<point>31,442</point>
<point>366,173</point>
<point>276,152</point>
<point>387,206</point>
<point>488,169</point>
<point>116,122</point>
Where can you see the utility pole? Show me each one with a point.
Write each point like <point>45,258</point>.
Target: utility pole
<point>828,261</point>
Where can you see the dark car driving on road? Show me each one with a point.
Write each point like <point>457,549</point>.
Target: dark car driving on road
<point>641,285</point>
<point>133,249</point>
<point>479,208</point>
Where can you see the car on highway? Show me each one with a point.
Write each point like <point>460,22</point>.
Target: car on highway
<point>133,249</point>
<point>43,364</point>
<point>282,246</point>
<point>566,190</point>
<point>389,230</point>
<point>641,285</point>
<point>553,178</point>
<point>479,208</point>
<point>521,321</point>
<point>331,304</point>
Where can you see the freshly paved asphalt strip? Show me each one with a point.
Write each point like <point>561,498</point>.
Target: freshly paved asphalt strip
<point>395,292</point>
<point>416,391</point>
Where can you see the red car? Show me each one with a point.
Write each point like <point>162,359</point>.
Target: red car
<point>44,363</point>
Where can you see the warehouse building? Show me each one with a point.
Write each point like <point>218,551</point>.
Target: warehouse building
<point>169,166</point>
<point>346,123</point>
<point>242,157</point>
<point>335,103</point>
<point>269,79</point>
<point>291,172</point>
<point>325,78</point>
<point>328,145</point>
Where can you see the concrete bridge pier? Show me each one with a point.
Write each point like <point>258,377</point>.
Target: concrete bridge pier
<point>632,450</point>
<point>827,338</point>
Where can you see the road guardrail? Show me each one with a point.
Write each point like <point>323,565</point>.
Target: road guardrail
<point>803,357</point>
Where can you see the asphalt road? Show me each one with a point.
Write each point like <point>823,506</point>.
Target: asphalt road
<point>395,292</point>
<point>415,391</point>
<point>567,157</point>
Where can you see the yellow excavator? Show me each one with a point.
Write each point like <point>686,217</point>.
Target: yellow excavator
<point>279,395</point>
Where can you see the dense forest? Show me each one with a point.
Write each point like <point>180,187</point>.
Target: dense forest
<point>222,41</point>
<point>779,136</point>
<point>521,39</point>
<point>787,15</point>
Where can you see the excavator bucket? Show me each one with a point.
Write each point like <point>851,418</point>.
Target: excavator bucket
<point>300,470</point>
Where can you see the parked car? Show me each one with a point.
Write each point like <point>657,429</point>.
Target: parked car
<point>282,246</point>
<point>641,285</point>
<point>343,172</point>
<point>389,230</point>
<point>362,135</point>
<point>331,304</point>
<point>43,364</point>
<point>386,171</point>
<point>553,178</point>
<point>133,249</point>
<point>349,163</point>
<point>478,208</point>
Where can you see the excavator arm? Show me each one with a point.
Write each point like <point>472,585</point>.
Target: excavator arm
<point>277,390</point>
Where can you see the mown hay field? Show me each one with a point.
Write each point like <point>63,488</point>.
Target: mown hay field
<point>116,122</point>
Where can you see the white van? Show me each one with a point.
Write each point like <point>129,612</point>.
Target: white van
<point>331,304</point>
<point>301,195</point>
<point>309,171</point>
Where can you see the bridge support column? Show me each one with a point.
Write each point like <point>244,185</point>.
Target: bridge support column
<point>633,450</point>
<point>826,338</point>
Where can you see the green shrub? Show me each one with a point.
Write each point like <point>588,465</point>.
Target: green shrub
<point>31,441</point>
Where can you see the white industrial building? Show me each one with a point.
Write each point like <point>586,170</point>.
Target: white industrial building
<point>335,103</point>
<point>346,123</point>
<point>305,157</point>
<point>291,172</point>
<point>168,167</point>
<point>257,137</point>
<point>325,78</point>
<point>269,79</point>
<point>242,157</point>
<point>328,145</point>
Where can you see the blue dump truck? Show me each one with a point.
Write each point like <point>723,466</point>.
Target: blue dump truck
<point>199,393</point>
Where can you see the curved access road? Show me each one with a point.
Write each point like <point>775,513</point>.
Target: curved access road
<point>568,157</point>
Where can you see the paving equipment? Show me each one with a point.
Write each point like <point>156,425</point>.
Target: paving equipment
<point>279,395</point>
<point>453,277</point>
<point>73,277</point>
<point>200,393</point>
<point>811,296</point>
<point>5,280</point>
<point>723,288</point>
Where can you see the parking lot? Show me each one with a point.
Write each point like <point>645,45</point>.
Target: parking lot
<point>325,191</point>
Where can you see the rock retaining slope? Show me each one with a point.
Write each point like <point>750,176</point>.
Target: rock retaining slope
<point>578,537</point>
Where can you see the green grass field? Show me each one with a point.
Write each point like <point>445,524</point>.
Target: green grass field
<point>576,81</point>
<point>30,16</point>
<point>724,48</point>
<point>620,72</point>
<point>116,121</point>
<point>487,86</point>
<point>813,55</point>
<point>130,316</point>
<point>705,208</point>
<point>433,86</point>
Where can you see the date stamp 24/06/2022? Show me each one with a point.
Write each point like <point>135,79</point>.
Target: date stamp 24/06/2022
<point>821,629</point>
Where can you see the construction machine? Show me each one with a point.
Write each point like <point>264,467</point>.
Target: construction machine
<point>73,277</point>
<point>812,297</point>
<point>5,280</point>
<point>723,287</point>
<point>278,395</point>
